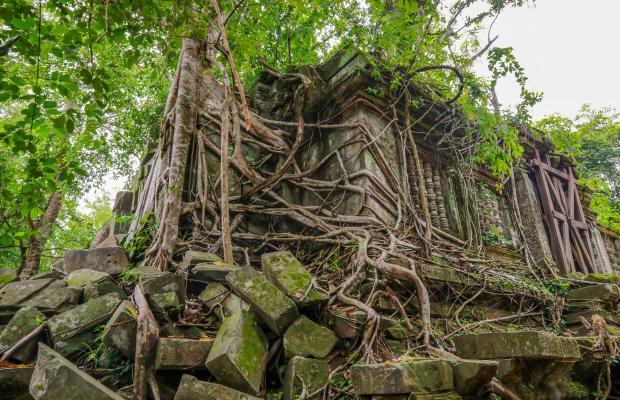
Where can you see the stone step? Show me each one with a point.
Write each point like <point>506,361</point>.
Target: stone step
<point>524,344</point>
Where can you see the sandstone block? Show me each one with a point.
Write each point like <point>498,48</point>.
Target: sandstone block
<point>23,322</point>
<point>120,331</point>
<point>174,353</point>
<point>193,389</point>
<point>470,375</point>
<point>306,338</point>
<point>112,260</point>
<point>313,373</point>
<point>213,272</point>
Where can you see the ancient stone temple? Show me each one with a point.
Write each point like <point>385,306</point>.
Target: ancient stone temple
<point>373,263</point>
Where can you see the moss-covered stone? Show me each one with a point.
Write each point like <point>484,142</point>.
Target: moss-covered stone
<point>603,278</point>
<point>213,272</point>
<point>162,282</point>
<point>83,317</point>
<point>271,305</point>
<point>470,375</point>
<point>286,272</point>
<point>399,378</point>
<point>313,374</point>
<point>56,378</point>
<point>193,257</point>
<point>191,388</point>
<point>166,305</point>
<point>14,294</point>
<point>607,292</point>
<point>48,275</point>
<point>306,338</point>
<point>112,260</point>
<point>23,322</point>
<point>120,331</point>
<point>55,298</point>
<point>175,353</point>
<point>449,395</point>
<point>215,293</point>
<point>524,344</point>
<point>239,353</point>
<point>98,289</point>
<point>84,277</point>
<point>7,275</point>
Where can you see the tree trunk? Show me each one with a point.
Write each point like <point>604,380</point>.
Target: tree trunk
<point>37,242</point>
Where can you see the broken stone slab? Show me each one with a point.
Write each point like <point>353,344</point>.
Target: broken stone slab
<point>607,292</point>
<point>84,277</point>
<point>400,378</point>
<point>80,343</point>
<point>194,257</point>
<point>313,373</point>
<point>176,353</point>
<point>271,305</point>
<point>191,388</point>
<point>238,356</point>
<point>525,344</point>
<point>112,260</point>
<point>285,271</point>
<point>83,317</point>
<point>306,338</point>
<point>166,305</point>
<point>23,322</point>
<point>471,375</point>
<point>98,289</point>
<point>55,378</point>
<point>48,275</point>
<point>7,275</point>
<point>213,272</point>
<point>162,282</point>
<point>14,294</point>
<point>14,383</point>
<point>120,331</point>
<point>215,293</point>
<point>55,298</point>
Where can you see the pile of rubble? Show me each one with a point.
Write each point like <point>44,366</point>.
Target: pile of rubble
<point>231,332</point>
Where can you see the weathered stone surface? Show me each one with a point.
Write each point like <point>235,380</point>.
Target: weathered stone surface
<point>162,282</point>
<point>450,395</point>
<point>314,374</point>
<point>23,322</point>
<point>76,344</point>
<point>120,331</point>
<point>112,260</point>
<point>56,378</point>
<point>174,353</point>
<point>286,272</point>
<point>191,388</point>
<point>605,291</point>
<point>272,306</point>
<point>55,298</point>
<point>98,289</point>
<point>48,275</point>
<point>405,377</point>
<point>14,383</point>
<point>166,304</point>
<point>193,257</point>
<point>525,344</point>
<point>213,272</point>
<point>239,353</point>
<point>83,277</point>
<point>82,317</point>
<point>306,338</point>
<point>15,293</point>
<point>470,375</point>
<point>123,202</point>
<point>216,293</point>
<point>7,275</point>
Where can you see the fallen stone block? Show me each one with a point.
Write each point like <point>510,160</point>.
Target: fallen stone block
<point>215,293</point>
<point>175,353</point>
<point>607,292</point>
<point>48,275</point>
<point>194,257</point>
<point>166,305</point>
<point>84,277</point>
<point>239,353</point>
<point>75,345</point>
<point>497,345</point>
<point>191,388</point>
<point>98,289</point>
<point>286,272</point>
<point>306,338</point>
<point>400,378</point>
<point>212,272</point>
<point>14,383</point>
<point>313,374</point>
<point>23,322</point>
<point>120,331</point>
<point>162,282</point>
<point>272,306</point>
<point>471,375</point>
<point>83,317</point>
<point>7,275</point>
<point>14,294</point>
<point>55,298</point>
<point>112,260</point>
<point>56,378</point>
